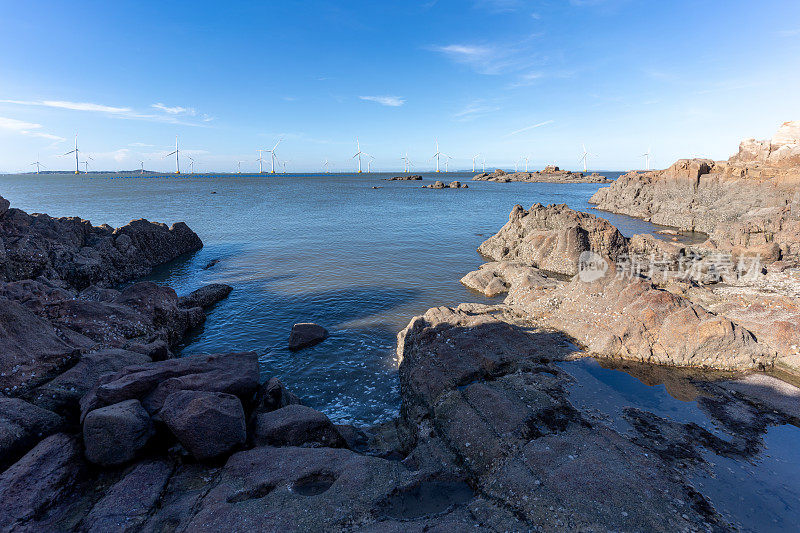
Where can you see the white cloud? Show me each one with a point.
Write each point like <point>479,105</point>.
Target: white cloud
<point>26,128</point>
<point>539,125</point>
<point>141,145</point>
<point>176,110</point>
<point>391,101</point>
<point>172,116</point>
<point>475,109</point>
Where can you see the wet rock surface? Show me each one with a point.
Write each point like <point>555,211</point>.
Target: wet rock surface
<point>306,334</point>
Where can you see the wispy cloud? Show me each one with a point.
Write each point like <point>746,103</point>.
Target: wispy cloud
<point>175,110</point>
<point>29,129</point>
<point>789,33</point>
<point>495,58</point>
<point>114,111</point>
<point>391,101</point>
<point>475,109</point>
<point>539,125</point>
<point>141,145</point>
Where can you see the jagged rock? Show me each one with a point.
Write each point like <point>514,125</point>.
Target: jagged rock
<point>495,278</point>
<point>116,433</point>
<point>207,424</point>
<point>40,481</point>
<point>454,185</point>
<point>73,250</point>
<point>63,393</point>
<point>552,238</point>
<point>296,425</point>
<point>409,177</point>
<point>4,205</point>
<point>436,185</point>
<point>205,296</point>
<point>550,174</point>
<point>151,383</point>
<point>306,334</point>
<point>22,426</point>
<point>128,504</point>
<point>631,319</point>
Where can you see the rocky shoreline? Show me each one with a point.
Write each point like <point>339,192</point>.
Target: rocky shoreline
<point>550,174</point>
<point>103,430</point>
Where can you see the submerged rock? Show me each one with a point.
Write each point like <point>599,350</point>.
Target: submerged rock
<point>306,334</point>
<point>205,296</point>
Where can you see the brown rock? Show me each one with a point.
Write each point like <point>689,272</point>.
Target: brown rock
<point>296,425</point>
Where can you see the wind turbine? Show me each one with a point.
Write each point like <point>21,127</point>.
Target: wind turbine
<point>261,161</point>
<point>274,155</point>
<point>585,157</point>
<point>476,156</point>
<point>238,167</point>
<point>142,167</point>
<point>436,155</point>
<point>406,161</point>
<point>325,166</point>
<point>75,151</point>
<point>86,163</point>
<point>483,165</point>
<point>516,166</point>
<point>37,163</point>
<point>646,156</point>
<point>191,165</point>
<point>447,159</point>
<point>526,163</point>
<point>369,163</point>
<point>359,153</point>
<point>176,153</point>
<point>284,166</point>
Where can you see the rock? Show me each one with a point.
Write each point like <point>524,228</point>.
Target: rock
<point>744,204</point>
<point>151,383</point>
<point>39,482</point>
<point>274,395</point>
<point>454,185</point>
<point>72,250</point>
<point>22,426</point>
<point>495,278</point>
<point>210,264</point>
<point>631,319</point>
<point>306,334</point>
<point>31,350</point>
<point>407,177</point>
<point>63,393</point>
<point>437,185</point>
<point>205,296</point>
<point>550,174</point>
<point>296,425</point>
<point>128,504</point>
<point>207,424</point>
<point>115,434</point>
<point>4,205</point>
<point>552,238</point>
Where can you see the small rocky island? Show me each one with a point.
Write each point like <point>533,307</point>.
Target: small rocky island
<point>102,429</point>
<point>550,174</point>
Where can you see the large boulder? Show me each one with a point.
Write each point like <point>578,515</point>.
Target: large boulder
<point>296,425</point>
<point>207,424</point>
<point>151,383</point>
<point>205,296</point>
<point>306,334</point>
<point>116,433</point>
<point>22,426</point>
<point>495,278</point>
<point>39,482</point>
<point>552,238</point>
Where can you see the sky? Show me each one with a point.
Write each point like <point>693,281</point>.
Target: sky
<point>506,79</point>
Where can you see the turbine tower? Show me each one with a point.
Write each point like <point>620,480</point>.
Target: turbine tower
<point>585,157</point>
<point>483,165</point>
<point>176,153</point>
<point>142,167</point>
<point>325,166</point>
<point>274,155</point>
<point>359,153</point>
<point>75,151</point>
<point>37,163</point>
<point>369,163</point>
<point>476,156</point>
<point>86,163</point>
<point>406,162</point>
<point>437,155</point>
<point>191,165</point>
<point>447,159</point>
<point>238,167</point>
<point>646,156</point>
<point>261,161</point>
<point>526,163</point>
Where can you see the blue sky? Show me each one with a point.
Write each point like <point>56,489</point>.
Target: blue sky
<point>503,78</point>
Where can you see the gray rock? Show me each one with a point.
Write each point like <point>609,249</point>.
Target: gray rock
<point>233,373</point>
<point>206,296</point>
<point>274,395</point>
<point>128,503</point>
<point>4,205</point>
<point>115,434</point>
<point>207,424</point>
<point>306,334</point>
<point>295,425</point>
<point>22,426</point>
<point>40,481</point>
